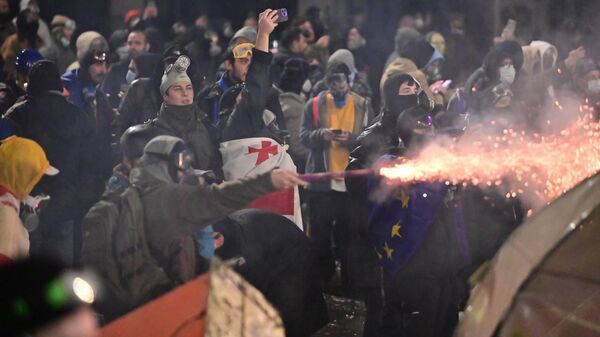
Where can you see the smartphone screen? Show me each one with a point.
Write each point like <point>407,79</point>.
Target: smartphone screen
<point>282,15</point>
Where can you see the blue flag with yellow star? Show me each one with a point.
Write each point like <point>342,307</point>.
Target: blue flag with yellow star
<point>398,226</point>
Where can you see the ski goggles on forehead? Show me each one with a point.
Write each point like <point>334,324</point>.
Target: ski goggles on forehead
<point>242,50</point>
<point>98,57</point>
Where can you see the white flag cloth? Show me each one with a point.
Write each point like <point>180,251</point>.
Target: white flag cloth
<point>249,156</point>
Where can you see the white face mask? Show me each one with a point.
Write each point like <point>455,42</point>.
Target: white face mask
<point>507,74</point>
<point>593,87</point>
<point>130,77</point>
<point>65,42</point>
<point>419,23</point>
<point>356,42</point>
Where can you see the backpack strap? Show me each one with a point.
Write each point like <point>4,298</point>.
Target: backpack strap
<point>315,110</point>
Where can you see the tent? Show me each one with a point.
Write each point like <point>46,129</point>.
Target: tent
<point>545,280</point>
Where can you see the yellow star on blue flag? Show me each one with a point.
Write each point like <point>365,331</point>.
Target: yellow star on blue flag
<point>396,230</point>
<point>404,198</point>
<point>388,251</point>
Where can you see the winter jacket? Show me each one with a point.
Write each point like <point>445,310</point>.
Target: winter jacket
<point>79,90</point>
<point>22,165</point>
<point>173,213</point>
<point>292,105</point>
<point>83,93</point>
<point>311,134</point>
<point>59,54</point>
<point>187,123</point>
<point>277,261</point>
<point>246,120</point>
<point>209,98</point>
<point>115,81</point>
<point>63,131</point>
<point>140,104</point>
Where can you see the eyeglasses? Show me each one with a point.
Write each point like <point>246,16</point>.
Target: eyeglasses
<point>243,50</point>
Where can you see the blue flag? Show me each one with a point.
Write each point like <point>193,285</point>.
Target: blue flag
<point>398,226</point>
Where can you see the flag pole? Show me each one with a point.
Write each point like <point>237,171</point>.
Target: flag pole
<point>335,175</point>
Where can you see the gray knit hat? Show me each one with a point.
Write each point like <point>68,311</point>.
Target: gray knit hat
<point>343,56</point>
<point>247,33</point>
<point>177,72</point>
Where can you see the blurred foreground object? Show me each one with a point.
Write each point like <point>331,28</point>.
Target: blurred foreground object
<point>545,280</point>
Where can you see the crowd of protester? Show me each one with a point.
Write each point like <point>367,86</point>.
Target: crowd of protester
<point>139,137</point>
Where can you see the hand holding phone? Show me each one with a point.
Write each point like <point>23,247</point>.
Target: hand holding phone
<point>282,15</point>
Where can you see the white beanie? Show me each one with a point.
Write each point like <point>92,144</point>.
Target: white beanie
<point>177,72</point>
<point>85,42</point>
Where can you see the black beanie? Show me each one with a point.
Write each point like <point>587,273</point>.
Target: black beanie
<point>43,77</point>
<point>295,72</point>
<point>420,52</point>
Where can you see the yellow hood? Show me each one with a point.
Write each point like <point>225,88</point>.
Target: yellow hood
<point>22,165</point>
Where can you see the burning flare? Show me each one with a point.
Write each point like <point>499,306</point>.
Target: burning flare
<point>533,167</point>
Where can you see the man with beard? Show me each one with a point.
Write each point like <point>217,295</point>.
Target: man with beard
<point>330,125</point>
<point>81,89</point>
<point>115,82</point>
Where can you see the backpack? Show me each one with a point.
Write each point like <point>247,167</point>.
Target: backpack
<point>114,244</point>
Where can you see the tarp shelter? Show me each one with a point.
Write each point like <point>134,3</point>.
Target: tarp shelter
<point>180,313</point>
<point>545,280</point>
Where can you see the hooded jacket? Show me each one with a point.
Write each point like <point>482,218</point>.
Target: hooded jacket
<point>346,57</point>
<point>63,131</point>
<point>173,213</point>
<point>22,165</point>
<point>487,75</point>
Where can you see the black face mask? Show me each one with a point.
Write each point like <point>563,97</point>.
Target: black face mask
<point>398,103</point>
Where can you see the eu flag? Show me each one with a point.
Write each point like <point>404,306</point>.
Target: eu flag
<point>398,225</point>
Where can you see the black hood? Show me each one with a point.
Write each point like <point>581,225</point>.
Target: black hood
<point>146,63</point>
<point>420,52</point>
<point>493,60</point>
<point>44,77</point>
<point>27,31</point>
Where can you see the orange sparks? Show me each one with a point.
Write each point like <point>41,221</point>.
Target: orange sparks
<point>542,166</point>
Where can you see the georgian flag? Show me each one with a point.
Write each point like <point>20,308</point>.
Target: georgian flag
<point>248,156</point>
